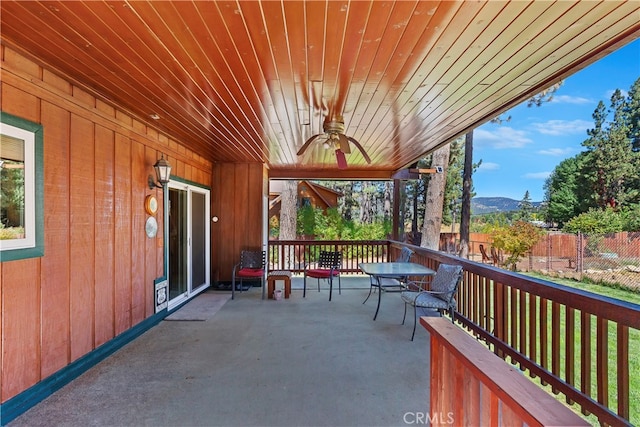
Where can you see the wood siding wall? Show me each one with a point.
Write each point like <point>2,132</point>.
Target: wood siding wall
<point>96,277</point>
<point>239,205</point>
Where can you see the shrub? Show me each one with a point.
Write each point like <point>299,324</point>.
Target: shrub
<point>632,218</point>
<point>596,221</point>
<point>306,223</point>
<point>516,240</point>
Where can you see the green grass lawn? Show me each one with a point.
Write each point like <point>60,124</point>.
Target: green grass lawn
<point>634,345</point>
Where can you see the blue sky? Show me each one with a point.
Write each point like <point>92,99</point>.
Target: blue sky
<point>520,154</point>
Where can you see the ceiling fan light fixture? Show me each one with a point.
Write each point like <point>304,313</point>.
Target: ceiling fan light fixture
<point>335,138</point>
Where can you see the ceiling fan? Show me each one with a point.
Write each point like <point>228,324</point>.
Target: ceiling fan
<point>334,137</point>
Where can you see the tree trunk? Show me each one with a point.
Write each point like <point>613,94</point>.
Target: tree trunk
<point>366,205</point>
<point>434,200</point>
<point>387,201</point>
<point>288,220</point>
<point>347,201</point>
<point>414,217</point>
<point>467,185</point>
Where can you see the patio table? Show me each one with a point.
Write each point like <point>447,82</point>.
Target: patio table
<point>380,270</point>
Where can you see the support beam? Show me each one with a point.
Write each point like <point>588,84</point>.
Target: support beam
<point>414,173</point>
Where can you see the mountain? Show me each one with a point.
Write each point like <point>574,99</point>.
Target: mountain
<point>485,205</point>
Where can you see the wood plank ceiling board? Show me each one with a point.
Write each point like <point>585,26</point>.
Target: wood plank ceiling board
<point>251,81</point>
<point>241,59</point>
<point>528,68</point>
<point>432,75</point>
<point>387,64</point>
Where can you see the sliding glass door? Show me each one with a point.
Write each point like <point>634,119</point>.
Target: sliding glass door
<point>189,242</point>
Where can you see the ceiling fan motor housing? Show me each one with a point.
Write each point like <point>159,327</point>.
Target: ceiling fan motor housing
<point>333,126</point>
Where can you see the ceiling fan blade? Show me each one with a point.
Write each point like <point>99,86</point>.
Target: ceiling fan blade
<point>344,144</point>
<point>307,143</point>
<point>359,147</point>
<point>341,159</point>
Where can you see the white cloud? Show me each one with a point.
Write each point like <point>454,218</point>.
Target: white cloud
<point>562,127</point>
<point>556,152</point>
<point>488,166</point>
<point>568,99</point>
<point>502,137</point>
<point>537,175</point>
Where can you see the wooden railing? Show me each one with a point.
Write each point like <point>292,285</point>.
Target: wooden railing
<point>574,342</point>
<point>293,255</point>
<point>472,387</point>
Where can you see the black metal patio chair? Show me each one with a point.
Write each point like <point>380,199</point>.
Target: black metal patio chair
<point>440,295</point>
<point>327,267</point>
<point>251,267</point>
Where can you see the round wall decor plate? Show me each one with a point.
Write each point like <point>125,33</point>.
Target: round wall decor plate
<point>151,227</point>
<point>151,204</point>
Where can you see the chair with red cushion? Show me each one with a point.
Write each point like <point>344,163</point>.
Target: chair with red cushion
<point>250,267</point>
<point>327,267</point>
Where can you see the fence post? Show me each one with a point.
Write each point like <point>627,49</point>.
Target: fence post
<point>549,253</point>
<point>579,254</point>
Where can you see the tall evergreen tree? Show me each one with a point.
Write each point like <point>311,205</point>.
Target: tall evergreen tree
<point>434,200</point>
<point>386,209</point>
<point>607,173</point>
<point>367,195</point>
<point>347,201</point>
<point>633,115</point>
<point>610,155</point>
<point>525,213</point>
<point>453,185</point>
<point>289,218</point>
<point>465,208</point>
<point>561,191</point>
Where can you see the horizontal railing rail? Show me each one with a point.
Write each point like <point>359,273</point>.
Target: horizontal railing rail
<point>574,342</point>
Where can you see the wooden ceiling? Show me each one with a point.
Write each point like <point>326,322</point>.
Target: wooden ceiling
<point>250,81</point>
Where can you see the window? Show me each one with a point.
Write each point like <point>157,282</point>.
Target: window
<point>21,188</point>
<point>305,202</point>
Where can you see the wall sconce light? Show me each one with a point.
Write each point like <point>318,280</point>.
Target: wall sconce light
<point>163,172</point>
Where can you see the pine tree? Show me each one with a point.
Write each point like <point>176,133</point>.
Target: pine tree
<point>610,155</point>
<point>465,208</point>
<point>434,200</point>
<point>562,189</point>
<point>632,111</point>
<point>525,213</point>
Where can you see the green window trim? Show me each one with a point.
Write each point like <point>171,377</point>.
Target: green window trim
<point>36,250</point>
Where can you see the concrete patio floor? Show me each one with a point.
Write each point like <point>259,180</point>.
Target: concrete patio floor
<point>294,362</point>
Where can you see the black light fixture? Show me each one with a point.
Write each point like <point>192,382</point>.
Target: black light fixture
<point>163,172</point>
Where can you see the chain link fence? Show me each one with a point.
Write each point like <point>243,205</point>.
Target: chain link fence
<point>613,258</point>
